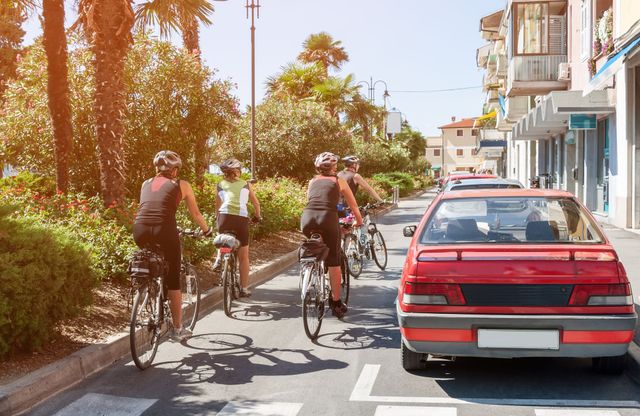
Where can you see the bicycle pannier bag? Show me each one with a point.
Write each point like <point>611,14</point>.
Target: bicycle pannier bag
<point>144,264</point>
<point>313,248</point>
<point>226,240</point>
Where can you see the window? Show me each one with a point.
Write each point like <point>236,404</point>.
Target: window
<point>460,133</point>
<point>459,152</point>
<point>531,29</point>
<point>436,152</point>
<point>474,132</point>
<point>585,29</point>
<point>474,152</point>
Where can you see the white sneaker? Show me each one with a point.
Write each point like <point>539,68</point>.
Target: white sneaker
<point>181,334</point>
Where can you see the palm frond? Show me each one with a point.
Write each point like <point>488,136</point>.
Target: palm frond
<point>168,15</point>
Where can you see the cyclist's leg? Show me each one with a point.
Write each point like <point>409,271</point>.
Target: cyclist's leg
<point>332,238</point>
<point>170,242</point>
<point>239,226</point>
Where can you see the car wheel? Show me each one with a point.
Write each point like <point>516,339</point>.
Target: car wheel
<point>412,360</point>
<point>609,365</point>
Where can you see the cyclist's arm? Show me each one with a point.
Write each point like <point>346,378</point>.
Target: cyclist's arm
<point>254,201</point>
<point>362,182</point>
<point>192,205</point>
<point>350,199</point>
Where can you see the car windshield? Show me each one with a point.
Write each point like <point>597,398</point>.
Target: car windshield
<point>510,220</point>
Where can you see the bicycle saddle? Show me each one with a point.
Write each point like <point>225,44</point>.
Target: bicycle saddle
<point>226,240</point>
<point>313,248</point>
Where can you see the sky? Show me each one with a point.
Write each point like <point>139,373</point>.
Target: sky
<point>411,45</point>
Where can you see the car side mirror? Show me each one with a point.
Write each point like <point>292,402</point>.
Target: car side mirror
<point>409,230</point>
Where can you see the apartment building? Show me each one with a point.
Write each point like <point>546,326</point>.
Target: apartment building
<point>434,155</point>
<point>460,146</point>
<point>566,97</point>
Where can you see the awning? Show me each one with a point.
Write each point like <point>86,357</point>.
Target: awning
<point>482,55</point>
<point>436,167</point>
<point>549,118</point>
<point>492,143</point>
<point>609,69</point>
<point>482,119</point>
<point>503,104</point>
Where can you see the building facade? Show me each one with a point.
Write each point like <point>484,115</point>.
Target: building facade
<point>460,146</point>
<point>434,155</point>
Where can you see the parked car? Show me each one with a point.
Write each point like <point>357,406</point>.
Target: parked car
<point>482,183</point>
<point>464,175</point>
<point>513,273</point>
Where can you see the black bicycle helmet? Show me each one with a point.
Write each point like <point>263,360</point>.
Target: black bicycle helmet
<point>325,160</point>
<point>166,160</point>
<point>230,164</point>
<point>350,160</point>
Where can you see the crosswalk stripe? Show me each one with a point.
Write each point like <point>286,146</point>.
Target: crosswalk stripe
<point>100,404</point>
<point>415,411</point>
<point>575,412</point>
<point>260,409</point>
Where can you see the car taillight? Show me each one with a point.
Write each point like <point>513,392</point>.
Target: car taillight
<point>601,295</point>
<point>432,294</point>
<point>595,256</point>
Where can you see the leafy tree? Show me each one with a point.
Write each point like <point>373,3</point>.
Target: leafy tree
<point>108,24</point>
<point>412,140</point>
<point>11,18</point>
<point>321,48</point>
<point>289,136</point>
<point>162,85</point>
<point>55,45</point>
<point>296,81</point>
<point>361,116</point>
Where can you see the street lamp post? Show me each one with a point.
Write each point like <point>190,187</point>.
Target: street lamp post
<point>371,87</point>
<point>255,13</point>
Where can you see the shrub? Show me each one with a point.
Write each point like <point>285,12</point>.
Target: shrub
<point>364,198</point>
<point>403,180</point>
<point>281,201</point>
<point>46,275</point>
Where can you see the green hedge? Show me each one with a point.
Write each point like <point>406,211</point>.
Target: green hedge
<point>391,179</point>
<point>46,275</point>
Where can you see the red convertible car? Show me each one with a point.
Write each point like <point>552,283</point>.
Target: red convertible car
<point>513,273</point>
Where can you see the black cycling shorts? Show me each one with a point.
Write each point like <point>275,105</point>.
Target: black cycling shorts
<point>236,224</point>
<point>166,236</point>
<point>325,223</point>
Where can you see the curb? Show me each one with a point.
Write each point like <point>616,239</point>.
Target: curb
<point>37,386</point>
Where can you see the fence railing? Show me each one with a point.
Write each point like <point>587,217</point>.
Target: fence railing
<point>535,68</point>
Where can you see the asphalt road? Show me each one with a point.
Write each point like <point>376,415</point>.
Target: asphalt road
<point>261,363</point>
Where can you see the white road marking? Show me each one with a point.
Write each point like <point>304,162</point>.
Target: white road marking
<point>101,404</point>
<point>362,393</point>
<point>415,411</point>
<point>260,409</point>
<point>575,412</point>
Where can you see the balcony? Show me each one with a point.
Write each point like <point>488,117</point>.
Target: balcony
<point>534,75</point>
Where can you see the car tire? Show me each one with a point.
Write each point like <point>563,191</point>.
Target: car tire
<point>412,360</point>
<point>609,365</point>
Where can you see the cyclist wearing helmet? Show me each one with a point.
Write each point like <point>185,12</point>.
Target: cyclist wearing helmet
<point>155,223</point>
<point>232,196</point>
<point>355,180</point>
<point>321,215</point>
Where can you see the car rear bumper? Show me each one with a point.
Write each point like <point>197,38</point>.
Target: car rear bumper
<point>456,334</point>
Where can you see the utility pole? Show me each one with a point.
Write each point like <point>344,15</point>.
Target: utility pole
<point>255,13</point>
<point>371,87</point>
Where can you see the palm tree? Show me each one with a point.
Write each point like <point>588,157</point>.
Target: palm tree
<point>108,24</point>
<point>55,46</point>
<point>183,16</point>
<point>362,115</point>
<point>335,93</point>
<point>296,81</point>
<point>321,48</point>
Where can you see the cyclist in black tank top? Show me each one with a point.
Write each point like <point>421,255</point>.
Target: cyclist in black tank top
<point>155,223</point>
<point>321,215</point>
<point>354,179</point>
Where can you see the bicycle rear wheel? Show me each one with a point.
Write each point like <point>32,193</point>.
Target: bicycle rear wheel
<point>379,250</point>
<point>354,258</point>
<point>312,308</point>
<point>345,279</point>
<point>227,285</point>
<point>144,329</point>
<point>190,297</point>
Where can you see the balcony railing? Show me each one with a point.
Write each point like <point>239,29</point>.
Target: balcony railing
<point>535,68</point>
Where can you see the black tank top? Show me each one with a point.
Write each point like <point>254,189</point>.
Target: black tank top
<point>159,199</point>
<point>324,193</point>
<point>348,176</point>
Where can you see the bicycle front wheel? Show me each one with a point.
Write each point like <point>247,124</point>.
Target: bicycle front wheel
<point>312,309</point>
<point>354,258</point>
<point>227,286</point>
<point>144,330</point>
<point>190,297</point>
<point>345,279</point>
<point>379,250</point>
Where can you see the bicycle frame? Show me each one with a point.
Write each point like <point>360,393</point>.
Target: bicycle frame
<point>311,269</point>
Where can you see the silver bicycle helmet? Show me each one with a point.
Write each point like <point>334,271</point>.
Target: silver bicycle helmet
<point>326,160</point>
<point>350,160</point>
<point>230,164</point>
<point>166,160</point>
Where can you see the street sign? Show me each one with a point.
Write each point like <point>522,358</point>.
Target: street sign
<point>582,121</point>
<point>394,122</point>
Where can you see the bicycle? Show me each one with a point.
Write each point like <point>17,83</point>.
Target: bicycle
<point>228,245</point>
<point>358,245</point>
<point>150,311</point>
<point>315,286</point>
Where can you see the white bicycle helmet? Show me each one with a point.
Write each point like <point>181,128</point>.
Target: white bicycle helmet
<point>350,160</point>
<point>166,160</point>
<point>325,160</point>
<point>230,164</point>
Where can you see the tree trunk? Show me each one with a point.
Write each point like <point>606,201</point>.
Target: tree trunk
<point>55,45</point>
<point>112,20</point>
<point>191,41</point>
